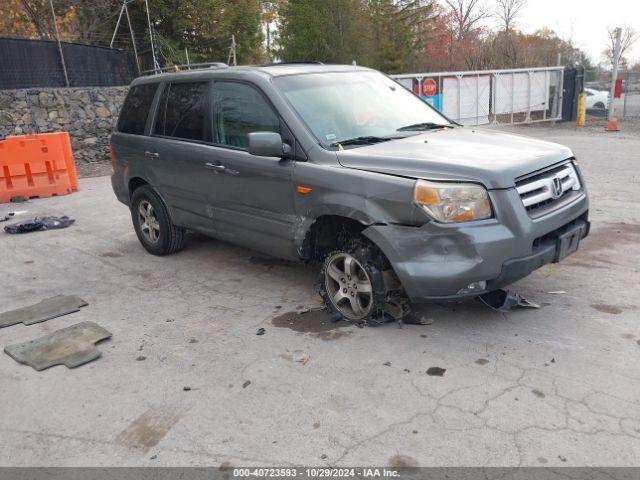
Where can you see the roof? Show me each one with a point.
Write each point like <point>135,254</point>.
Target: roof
<point>271,70</point>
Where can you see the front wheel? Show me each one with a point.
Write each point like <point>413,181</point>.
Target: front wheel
<point>351,286</point>
<point>153,226</point>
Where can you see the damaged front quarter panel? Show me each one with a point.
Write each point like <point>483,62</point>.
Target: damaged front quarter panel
<point>364,197</point>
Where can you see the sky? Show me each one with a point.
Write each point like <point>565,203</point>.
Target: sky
<point>583,21</point>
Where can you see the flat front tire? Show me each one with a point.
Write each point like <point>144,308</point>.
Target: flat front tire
<point>351,286</point>
<point>152,223</point>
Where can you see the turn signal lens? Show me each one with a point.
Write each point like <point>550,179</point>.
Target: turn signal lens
<point>453,202</point>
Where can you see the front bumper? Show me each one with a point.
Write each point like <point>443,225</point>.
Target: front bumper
<point>437,261</point>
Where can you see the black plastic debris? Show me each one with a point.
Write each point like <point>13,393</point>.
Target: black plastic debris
<point>7,217</point>
<point>39,224</point>
<point>436,371</point>
<point>260,331</point>
<point>505,300</point>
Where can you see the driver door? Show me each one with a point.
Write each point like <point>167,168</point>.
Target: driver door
<point>251,198</point>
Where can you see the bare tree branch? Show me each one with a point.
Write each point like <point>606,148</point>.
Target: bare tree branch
<point>466,14</point>
<point>508,10</point>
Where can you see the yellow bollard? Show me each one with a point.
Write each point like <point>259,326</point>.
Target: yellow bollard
<point>581,113</point>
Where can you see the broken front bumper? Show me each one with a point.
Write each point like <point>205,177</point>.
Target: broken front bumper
<point>438,261</point>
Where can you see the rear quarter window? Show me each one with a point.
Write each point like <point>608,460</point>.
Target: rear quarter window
<point>135,110</point>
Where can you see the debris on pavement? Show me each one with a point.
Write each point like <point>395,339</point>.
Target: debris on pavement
<point>246,384</point>
<point>261,331</point>
<point>72,346</point>
<point>387,364</point>
<point>436,371</point>
<point>557,292</point>
<point>186,388</point>
<point>42,311</point>
<point>304,359</point>
<point>141,358</point>
<point>38,224</point>
<point>504,300</point>
<point>7,217</point>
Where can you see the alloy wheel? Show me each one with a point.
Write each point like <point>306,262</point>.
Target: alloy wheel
<point>149,225</point>
<point>348,286</point>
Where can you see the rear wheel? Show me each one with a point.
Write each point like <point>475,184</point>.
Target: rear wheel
<point>599,105</point>
<point>153,226</point>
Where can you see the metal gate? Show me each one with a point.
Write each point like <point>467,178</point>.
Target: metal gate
<point>479,97</point>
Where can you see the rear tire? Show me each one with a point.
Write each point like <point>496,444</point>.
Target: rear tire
<point>599,106</point>
<point>153,226</point>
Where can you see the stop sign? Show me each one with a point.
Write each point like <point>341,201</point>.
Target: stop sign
<point>429,87</point>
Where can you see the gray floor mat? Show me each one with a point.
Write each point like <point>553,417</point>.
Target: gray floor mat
<point>71,346</point>
<point>45,310</point>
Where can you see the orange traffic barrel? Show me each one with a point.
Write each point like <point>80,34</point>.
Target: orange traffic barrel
<point>34,166</point>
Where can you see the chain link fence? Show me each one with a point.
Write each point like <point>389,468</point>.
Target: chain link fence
<point>492,96</point>
<point>598,88</point>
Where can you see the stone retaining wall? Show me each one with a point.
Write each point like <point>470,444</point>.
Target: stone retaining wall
<point>89,115</point>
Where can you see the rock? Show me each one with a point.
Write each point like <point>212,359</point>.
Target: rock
<point>103,112</point>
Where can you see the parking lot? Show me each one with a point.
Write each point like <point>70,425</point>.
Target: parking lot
<point>554,386</point>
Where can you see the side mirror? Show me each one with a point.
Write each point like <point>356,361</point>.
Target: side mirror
<point>267,144</point>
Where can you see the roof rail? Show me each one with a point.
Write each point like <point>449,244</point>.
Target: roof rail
<point>304,62</point>
<point>181,68</point>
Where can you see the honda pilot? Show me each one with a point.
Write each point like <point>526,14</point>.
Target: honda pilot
<point>340,166</point>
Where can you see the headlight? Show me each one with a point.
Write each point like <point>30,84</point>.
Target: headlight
<point>453,202</point>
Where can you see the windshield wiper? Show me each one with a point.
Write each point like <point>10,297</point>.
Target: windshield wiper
<point>364,140</point>
<point>423,126</point>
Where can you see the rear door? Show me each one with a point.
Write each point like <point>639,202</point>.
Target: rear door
<point>181,139</point>
<point>251,197</point>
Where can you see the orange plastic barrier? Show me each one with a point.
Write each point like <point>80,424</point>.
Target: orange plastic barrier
<point>34,166</point>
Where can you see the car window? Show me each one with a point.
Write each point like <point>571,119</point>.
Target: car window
<point>182,111</point>
<point>135,110</point>
<point>239,109</point>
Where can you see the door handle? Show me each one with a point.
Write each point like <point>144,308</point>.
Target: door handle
<point>151,154</point>
<point>213,166</point>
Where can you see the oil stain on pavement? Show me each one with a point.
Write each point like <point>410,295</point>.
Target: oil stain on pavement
<point>314,321</point>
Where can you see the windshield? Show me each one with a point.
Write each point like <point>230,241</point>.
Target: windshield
<point>363,106</point>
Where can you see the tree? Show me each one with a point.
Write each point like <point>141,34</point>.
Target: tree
<point>204,27</point>
<point>508,10</point>
<point>396,33</point>
<point>629,37</point>
<point>466,15</point>
<point>320,30</point>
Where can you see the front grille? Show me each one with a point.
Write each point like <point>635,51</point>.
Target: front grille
<point>549,189</point>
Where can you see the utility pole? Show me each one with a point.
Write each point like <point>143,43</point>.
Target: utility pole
<point>113,37</point>
<point>156,66</point>
<point>232,52</point>
<point>614,73</point>
<point>186,54</point>
<point>133,40</point>
<point>55,26</point>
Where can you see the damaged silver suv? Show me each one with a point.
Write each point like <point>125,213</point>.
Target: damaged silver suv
<point>343,167</point>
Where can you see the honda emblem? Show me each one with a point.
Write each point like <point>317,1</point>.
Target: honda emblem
<point>556,188</point>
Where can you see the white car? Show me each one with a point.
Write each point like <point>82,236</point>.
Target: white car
<point>596,99</point>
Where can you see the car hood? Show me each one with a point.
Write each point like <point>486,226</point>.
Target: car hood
<point>493,158</point>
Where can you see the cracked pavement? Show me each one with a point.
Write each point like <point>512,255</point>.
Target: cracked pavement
<point>559,386</point>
